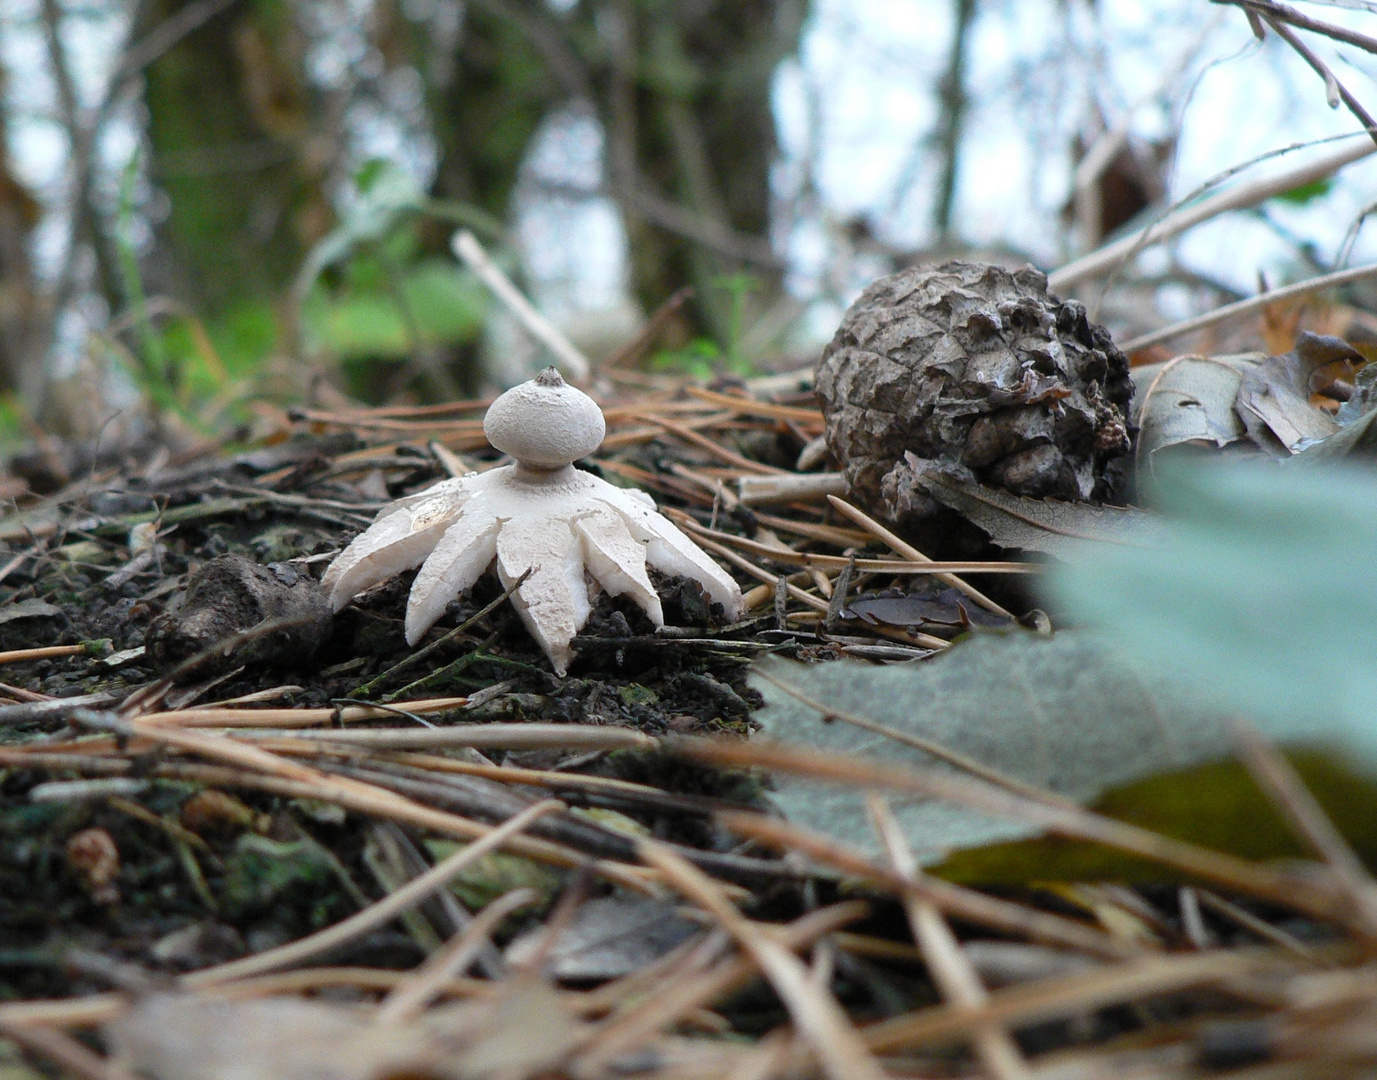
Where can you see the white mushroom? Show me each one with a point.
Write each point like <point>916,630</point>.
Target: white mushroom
<point>572,531</point>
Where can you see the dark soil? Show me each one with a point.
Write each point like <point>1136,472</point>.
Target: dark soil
<point>201,875</point>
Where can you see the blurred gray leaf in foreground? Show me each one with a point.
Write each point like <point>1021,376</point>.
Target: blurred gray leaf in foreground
<point>1258,601</point>
<point>1058,712</point>
<point>1263,596</point>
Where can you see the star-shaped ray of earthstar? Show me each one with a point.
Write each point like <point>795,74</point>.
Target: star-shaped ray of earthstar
<point>539,514</point>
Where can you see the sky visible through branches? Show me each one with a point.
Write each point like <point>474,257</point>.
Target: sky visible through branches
<point>856,109</point>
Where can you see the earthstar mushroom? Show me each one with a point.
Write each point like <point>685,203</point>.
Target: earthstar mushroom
<point>572,530</point>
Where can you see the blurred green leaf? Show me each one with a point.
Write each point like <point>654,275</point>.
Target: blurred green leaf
<point>1306,193</point>
<point>1058,712</point>
<point>446,303</point>
<point>1262,598</point>
<point>387,195</point>
<point>1217,805</point>
<point>497,873</point>
<point>1258,601</point>
<point>699,359</point>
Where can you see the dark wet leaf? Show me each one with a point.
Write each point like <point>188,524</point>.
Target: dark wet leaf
<point>948,610</point>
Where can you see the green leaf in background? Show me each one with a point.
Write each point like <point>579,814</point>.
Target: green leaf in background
<point>1217,805</point>
<point>1306,193</point>
<point>445,302</point>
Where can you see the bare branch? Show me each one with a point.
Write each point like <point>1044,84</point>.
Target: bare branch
<point>162,38</point>
<point>1253,303</point>
<point>467,247</point>
<point>1331,81</point>
<point>1301,21</point>
<point>548,40</point>
<point>1178,221</point>
<point>701,230</point>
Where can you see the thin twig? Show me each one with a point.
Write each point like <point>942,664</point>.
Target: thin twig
<point>949,967</point>
<point>814,1010</point>
<point>1248,306</point>
<point>575,364</point>
<point>217,716</point>
<point>420,654</point>
<point>533,736</point>
<point>1316,897</point>
<point>1331,81</point>
<point>1002,916</point>
<point>1285,13</point>
<point>694,987</point>
<point>409,998</point>
<point>1050,999</point>
<point>790,487</point>
<point>908,551</point>
<point>631,353</point>
<point>1261,927</point>
<point>1187,217</point>
<point>65,1052</point>
<point>923,567</point>
<point>937,750</point>
<point>47,652</point>
<point>713,447</point>
<point>1288,793</point>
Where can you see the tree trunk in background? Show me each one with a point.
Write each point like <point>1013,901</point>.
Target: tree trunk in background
<point>228,120</point>
<point>489,108</point>
<point>683,94</point>
<point>951,95</point>
<point>702,134</point>
<point>20,309</point>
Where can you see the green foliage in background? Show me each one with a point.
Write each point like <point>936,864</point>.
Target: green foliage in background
<point>1307,193</point>
<point>702,358</point>
<point>375,313</point>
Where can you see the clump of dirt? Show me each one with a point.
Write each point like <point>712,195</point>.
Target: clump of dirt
<point>231,595</point>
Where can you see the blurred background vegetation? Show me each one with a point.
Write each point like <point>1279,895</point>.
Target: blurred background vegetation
<point>215,206</point>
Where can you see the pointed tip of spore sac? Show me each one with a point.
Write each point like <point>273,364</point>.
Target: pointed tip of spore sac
<point>545,424</point>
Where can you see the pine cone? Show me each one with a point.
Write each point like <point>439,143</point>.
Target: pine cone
<point>978,371</point>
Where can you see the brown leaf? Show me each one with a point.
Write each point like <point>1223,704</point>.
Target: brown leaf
<point>1046,525</point>
<point>1274,397</point>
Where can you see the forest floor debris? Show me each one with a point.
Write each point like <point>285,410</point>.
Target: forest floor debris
<point>312,860</point>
